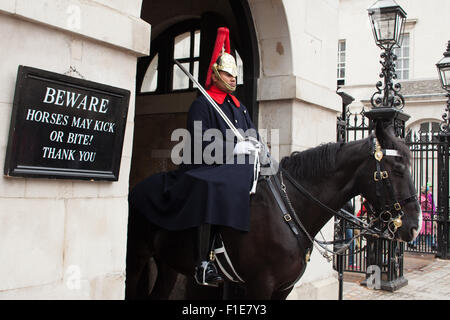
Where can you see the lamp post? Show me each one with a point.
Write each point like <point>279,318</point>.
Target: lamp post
<point>387,21</point>
<point>443,67</point>
<point>443,235</point>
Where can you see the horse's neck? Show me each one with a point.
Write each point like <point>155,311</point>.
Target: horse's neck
<point>310,213</point>
<point>350,162</point>
<point>334,189</point>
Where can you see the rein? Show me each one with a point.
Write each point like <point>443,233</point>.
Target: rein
<point>367,228</point>
<point>391,224</point>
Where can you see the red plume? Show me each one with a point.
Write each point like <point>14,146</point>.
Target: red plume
<point>222,39</point>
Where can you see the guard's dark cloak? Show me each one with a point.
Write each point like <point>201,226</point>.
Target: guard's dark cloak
<point>196,194</point>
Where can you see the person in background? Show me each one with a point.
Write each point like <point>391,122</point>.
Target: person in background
<point>428,212</point>
<point>349,235</point>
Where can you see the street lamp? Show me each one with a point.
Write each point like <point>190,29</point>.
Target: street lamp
<point>444,69</point>
<point>444,74</point>
<point>443,155</point>
<point>388,21</point>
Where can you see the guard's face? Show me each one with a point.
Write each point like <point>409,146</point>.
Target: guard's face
<point>226,78</point>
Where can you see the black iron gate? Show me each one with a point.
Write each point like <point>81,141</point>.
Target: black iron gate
<point>430,166</point>
<point>365,252</point>
<point>430,170</point>
<point>425,150</point>
<point>350,127</point>
<point>443,218</point>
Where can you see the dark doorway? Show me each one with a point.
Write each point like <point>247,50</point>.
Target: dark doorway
<point>185,30</point>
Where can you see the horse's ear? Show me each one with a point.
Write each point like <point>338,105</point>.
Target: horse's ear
<point>383,130</point>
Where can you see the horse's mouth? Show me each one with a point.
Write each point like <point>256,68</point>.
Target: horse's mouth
<point>412,235</point>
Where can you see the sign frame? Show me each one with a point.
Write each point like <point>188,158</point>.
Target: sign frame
<point>73,145</point>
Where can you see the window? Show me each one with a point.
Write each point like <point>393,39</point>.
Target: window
<point>187,51</point>
<point>151,76</point>
<point>402,63</point>
<point>428,131</point>
<point>424,132</point>
<point>341,62</point>
<point>159,72</point>
<point>240,69</point>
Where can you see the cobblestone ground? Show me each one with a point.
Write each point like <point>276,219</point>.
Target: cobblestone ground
<point>432,282</point>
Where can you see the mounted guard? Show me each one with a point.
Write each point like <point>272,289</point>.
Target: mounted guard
<point>210,189</point>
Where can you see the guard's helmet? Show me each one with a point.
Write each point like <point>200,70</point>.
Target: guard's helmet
<point>221,59</point>
<point>226,62</point>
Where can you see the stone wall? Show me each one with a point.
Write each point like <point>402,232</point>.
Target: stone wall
<point>66,239</point>
<point>296,95</point>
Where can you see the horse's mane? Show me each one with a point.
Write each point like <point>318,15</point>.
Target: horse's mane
<point>312,162</point>
<point>321,160</point>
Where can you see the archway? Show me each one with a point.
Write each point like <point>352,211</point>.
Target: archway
<point>186,31</point>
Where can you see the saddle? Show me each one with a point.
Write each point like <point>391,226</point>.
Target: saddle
<point>269,166</point>
<point>218,247</point>
<point>264,164</point>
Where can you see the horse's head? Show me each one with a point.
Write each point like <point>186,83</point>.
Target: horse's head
<point>391,190</point>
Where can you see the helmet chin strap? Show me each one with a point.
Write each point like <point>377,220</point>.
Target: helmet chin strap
<point>229,88</point>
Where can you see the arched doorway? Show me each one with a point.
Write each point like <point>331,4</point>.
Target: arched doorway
<point>185,31</point>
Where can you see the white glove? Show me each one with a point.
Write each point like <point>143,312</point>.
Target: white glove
<point>245,147</point>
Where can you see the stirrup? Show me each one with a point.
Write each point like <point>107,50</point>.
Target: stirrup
<point>202,281</point>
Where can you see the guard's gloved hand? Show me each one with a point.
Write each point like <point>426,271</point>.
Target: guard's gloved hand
<point>248,146</point>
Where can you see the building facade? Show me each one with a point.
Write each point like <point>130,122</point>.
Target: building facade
<point>66,238</point>
<point>424,41</point>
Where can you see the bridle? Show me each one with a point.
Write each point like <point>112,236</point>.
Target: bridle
<point>389,222</point>
<point>390,212</point>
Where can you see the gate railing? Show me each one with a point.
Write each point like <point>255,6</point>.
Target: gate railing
<point>430,169</point>
<point>363,253</point>
<point>424,147</point>
<point>443,221</point>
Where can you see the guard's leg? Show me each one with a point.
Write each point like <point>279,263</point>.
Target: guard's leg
<point>138,255</point>
<point>167,277</point>
<point>205,270</point>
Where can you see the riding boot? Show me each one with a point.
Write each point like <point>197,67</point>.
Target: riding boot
<point>205,271</point>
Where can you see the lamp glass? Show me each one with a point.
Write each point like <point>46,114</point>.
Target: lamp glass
<point>399,28</point>
<point>385,27</point>
<point>388,21</point>
<point>445,77</point>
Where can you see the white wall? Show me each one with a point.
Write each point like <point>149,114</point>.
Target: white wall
<point>427,24</point>
<point>54,232</point>
<point>429,36</point>
<point>296,95</point>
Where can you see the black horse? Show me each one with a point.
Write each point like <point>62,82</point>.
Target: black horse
<point>269,258</point>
